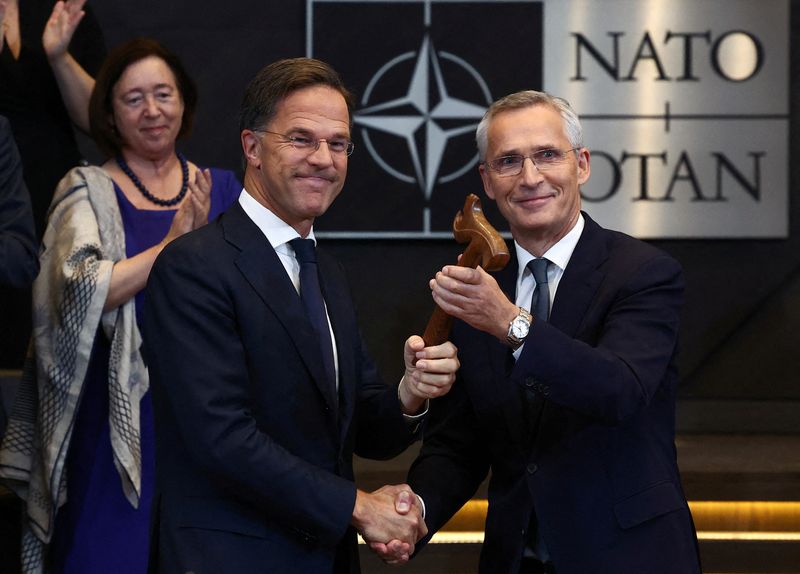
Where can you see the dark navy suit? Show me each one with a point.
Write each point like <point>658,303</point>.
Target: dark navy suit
<point>18,258</point>
<point>254,452</point>
<point>580,428</point>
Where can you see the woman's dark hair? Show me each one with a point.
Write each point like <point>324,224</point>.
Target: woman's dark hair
<point>101,108</point>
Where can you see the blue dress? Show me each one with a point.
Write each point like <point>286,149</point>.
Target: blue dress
<point>97,530</point>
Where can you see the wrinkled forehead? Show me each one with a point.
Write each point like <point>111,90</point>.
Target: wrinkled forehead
<point>316,108</point>
<point>529,128</point>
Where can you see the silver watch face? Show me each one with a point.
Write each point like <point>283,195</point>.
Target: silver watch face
<point>519,328</point>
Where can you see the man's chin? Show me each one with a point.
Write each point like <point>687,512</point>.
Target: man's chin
<point>318,206</point>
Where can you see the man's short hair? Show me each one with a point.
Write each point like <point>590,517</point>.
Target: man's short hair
<point>279,79</point>
<point>101,107</point>
<point>525,99</point>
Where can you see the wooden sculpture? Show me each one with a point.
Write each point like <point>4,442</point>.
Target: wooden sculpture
<point>485,248</point>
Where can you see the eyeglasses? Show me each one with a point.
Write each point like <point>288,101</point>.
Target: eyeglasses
<point>543,159</point>
<point>310,145</point>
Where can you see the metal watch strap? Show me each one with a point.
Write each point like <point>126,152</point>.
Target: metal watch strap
<point>513,341</point>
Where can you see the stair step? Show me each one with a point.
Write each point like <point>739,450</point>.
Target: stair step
<point>747,557</point>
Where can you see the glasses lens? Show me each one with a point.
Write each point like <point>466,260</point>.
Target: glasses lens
<point>548,157</point>
<point>542,160</point>
<point>302,143</point>
<point>337,146</point>
<point>340,146</point>
<point>507,164</point>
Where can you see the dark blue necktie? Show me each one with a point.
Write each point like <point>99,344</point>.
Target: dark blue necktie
<point>540,309</point>
<point>540,302</point>
<point>311,295</point>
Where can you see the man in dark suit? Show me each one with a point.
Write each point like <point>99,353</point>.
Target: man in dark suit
<point>567,387</point>
<point>19,263</point>
<point>258,411</point>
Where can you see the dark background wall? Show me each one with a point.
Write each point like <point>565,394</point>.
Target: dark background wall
<point>739,357</point>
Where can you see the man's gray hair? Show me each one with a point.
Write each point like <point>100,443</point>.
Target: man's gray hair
<point>525,99</point>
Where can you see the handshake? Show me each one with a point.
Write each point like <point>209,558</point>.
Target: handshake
<point>390,521</point>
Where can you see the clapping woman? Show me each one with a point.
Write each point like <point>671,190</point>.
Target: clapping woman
<point>91,484</point>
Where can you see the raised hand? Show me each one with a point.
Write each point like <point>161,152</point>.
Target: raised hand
<point>60,27</point>
<point>200,196</point>
<point>473,296</point>
<point>183,222</point>
<point>430,372</point>
<point>193,210</point>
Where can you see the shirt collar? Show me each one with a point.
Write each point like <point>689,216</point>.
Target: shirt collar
<point>276,230</point>
<point>559,254</point>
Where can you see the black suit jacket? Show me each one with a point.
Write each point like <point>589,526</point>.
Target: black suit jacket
<point>253,452</point>
<point>18,258</point>
<point>594,452</point>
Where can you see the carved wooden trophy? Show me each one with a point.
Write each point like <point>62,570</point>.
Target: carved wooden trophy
<point>485,248</point>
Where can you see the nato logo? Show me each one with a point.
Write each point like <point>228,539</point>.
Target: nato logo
<point>423,74</point>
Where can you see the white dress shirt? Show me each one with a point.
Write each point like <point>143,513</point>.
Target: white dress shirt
<point>559,255</point>
<point>279,234</point>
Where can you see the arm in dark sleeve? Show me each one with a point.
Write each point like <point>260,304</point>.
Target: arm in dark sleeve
<point>614,371</point>
<point>383,431</point>
<point>453,461</point>
<point>18,260</point>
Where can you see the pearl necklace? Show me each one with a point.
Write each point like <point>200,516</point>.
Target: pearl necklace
<point>140,186</point>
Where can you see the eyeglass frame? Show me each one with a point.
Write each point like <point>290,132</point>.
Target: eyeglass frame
<point>547,166</point>
<point>315,142</point>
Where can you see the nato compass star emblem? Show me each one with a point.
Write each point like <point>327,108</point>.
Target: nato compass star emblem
<point>416,110</point>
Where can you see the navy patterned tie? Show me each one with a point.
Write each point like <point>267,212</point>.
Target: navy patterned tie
<point>311,295</point>
<point>540,302</point>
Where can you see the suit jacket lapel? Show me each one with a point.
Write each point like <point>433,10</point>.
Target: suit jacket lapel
<point>336,298</point>
<point>263,270</point>
<point>581,279</point>
<point>575,292</point>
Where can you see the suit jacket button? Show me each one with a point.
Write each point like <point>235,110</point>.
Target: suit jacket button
<point>532,468</point>
<point>530,382</point>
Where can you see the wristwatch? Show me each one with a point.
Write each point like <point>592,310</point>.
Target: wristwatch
<point>518,329</point>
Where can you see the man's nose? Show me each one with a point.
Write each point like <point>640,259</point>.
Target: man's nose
<point>530,172</point>
<point>322,155</point>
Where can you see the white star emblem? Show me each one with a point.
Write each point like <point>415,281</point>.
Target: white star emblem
<point>375,117</point>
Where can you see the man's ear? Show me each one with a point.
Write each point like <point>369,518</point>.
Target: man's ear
<point>584,169</point>
<point>251,146</point>
<point>487,181</point>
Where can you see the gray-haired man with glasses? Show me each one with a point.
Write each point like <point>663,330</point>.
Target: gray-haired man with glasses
<point>566,391</point>
<point>262,387</point>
